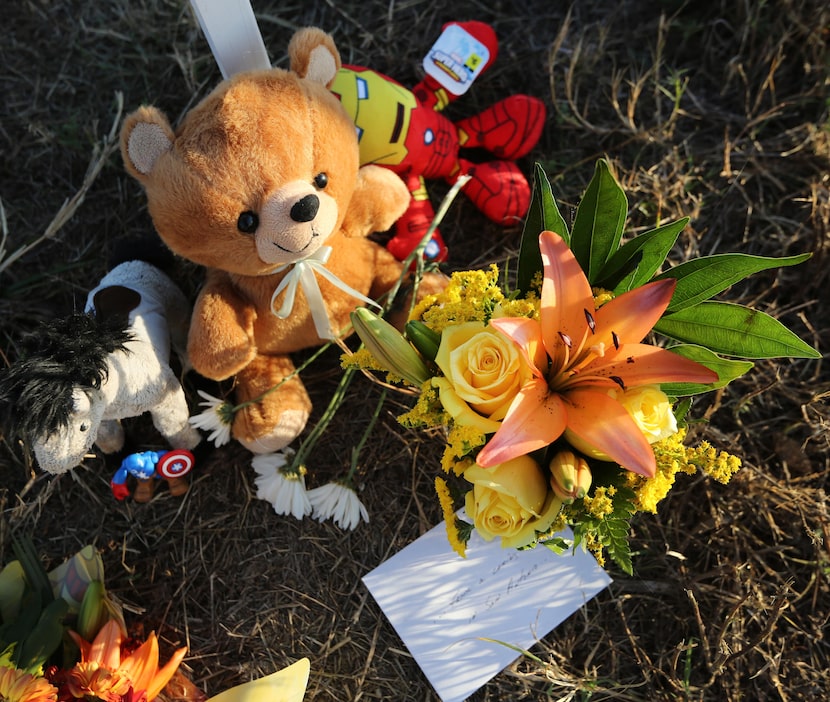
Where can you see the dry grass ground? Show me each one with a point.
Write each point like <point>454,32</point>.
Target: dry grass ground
<point>717,110</point>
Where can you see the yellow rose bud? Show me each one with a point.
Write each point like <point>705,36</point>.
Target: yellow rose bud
<point>570,476</point>
<point>483,369</point>
<point>510,501</point>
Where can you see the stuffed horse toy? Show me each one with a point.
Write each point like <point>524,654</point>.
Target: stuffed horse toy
<point>79,376</point>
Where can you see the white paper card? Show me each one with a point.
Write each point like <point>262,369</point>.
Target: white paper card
<point>440,604</point>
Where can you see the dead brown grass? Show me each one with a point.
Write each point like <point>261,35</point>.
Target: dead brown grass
<point>719,113</point>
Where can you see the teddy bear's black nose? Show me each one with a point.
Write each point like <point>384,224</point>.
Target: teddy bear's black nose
<point>305,210</point>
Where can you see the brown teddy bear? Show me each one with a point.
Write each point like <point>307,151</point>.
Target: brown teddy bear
<point>260,184</point>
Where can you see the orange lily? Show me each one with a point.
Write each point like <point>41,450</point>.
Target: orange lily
<point>103,674</point>
<point>577,353</point>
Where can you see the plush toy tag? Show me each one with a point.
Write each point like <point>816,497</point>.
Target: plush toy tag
<point>456,59</point>
<point>233,35</point>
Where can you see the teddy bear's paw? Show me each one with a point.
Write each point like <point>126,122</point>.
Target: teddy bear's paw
<point>290,424</point>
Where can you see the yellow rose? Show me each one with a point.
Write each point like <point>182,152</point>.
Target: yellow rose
<point>483,371</point>
<point>511,501</point>
<point>650,409</point>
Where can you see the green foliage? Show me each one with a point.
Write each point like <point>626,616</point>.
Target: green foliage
<point>599,221</point>
<point>734,330</point>
<point>36,631</point>
<point>611,530</point>
<point>691,317</point>
<point>701,278</point>
<point>726,368</point>
<point>542,215</point>
<point>636,261</point>
<point>424,339</point>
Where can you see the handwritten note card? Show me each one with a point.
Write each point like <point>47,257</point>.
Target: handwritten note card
<point>442,605</point>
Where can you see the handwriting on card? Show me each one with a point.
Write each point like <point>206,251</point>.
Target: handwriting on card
<point>449,605</point>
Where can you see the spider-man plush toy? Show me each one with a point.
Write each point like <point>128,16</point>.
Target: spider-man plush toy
<point>405,131</point>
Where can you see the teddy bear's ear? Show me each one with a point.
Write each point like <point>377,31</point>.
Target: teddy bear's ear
<point>145,136</point>
<point>314,56</point>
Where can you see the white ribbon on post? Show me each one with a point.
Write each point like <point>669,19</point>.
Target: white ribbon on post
<point>233,35</point>
<point>304,273</point>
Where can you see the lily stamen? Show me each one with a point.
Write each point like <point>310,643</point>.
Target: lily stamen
<point>592,325</point>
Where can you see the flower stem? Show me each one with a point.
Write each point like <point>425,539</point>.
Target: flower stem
<point>357,449</point>
<point>416,256</point>
<point>334,404</point>
<point>319,352</point>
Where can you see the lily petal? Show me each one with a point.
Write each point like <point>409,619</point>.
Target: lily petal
<point>632,315</point>
<point>566,295</point>
<point>106,648</point>
<point>642,364</point>
<point>527,335</point>
<point>164,674</point>
<point>535,419</point>
<point>604,423</point>
<point>142,664</point>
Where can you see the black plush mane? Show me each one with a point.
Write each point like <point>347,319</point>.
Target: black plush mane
<point>36,392</point>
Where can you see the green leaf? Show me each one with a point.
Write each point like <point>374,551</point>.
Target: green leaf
<point>599,221</point>
<point>17,629</point>
<point>12,587</point>
<point>542,215</point>
<point>613,534</point>
<point>681,409</point>
<point>734,330</point>
<point>637,260</point>
<point>701,278</point>
<point>45,638</point>
<point>557,544</point>
<point>36,576</point>
<point>726,368</point>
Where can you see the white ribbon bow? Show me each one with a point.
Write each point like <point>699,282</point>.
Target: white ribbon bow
<point>303,273</point>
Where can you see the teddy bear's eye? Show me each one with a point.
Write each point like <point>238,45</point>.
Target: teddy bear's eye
<point>247,222</point>
<point>321,180</point>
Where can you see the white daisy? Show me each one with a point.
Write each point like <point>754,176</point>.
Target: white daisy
<point>216,419</point>
<point>282,487</point>
<point>338,502</point>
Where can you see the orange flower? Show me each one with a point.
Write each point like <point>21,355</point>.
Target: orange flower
<point>103,674</point>
<point>577,353</point>
<point>19,686</point>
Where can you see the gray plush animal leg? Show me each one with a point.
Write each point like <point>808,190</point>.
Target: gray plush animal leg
<point>110,437</point>
<point>170,417</point>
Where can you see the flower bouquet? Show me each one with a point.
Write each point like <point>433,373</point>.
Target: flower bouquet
<point>563,389</point>
<point>63,638</point>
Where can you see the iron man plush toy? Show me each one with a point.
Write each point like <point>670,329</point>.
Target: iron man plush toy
<point>405,131</point>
